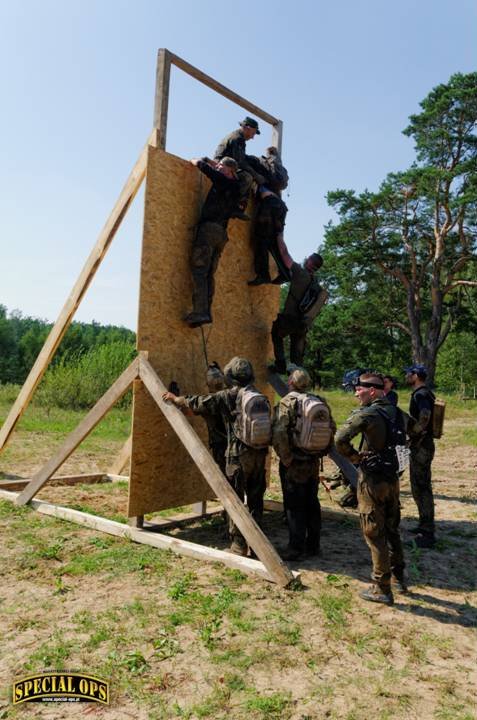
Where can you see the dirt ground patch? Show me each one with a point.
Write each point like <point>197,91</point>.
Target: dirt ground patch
<point>181,639</point>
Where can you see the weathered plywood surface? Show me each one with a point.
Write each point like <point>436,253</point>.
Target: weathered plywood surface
<point>162,473</point>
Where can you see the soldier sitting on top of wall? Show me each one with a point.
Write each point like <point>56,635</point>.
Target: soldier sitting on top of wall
<point>233,145</point>
<point>211,234</point>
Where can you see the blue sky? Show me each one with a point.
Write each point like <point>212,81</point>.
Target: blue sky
<point>77,82</point>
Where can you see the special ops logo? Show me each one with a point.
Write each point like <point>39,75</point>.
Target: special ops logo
<point>61,687</point>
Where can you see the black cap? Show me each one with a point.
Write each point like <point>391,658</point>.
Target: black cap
<point>251,123</point>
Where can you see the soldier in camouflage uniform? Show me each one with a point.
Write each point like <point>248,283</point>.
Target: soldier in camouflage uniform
<point>211,234</point>
<point>291,321</point>
<point>269,221</point>
<point>378,491</point>
<point>245,466</point>
<point>421,408</point>
<point>299,475</point>
<point>233,145</point>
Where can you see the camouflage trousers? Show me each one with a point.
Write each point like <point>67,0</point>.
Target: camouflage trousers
<point>246,474</point>
<point>207,248</point>
<point>294,328</point>
<point>300,502</point>
<point>421,485</point>
<point>380,515</point>
<point>269,223</point>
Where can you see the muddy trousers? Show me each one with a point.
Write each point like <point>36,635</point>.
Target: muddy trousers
<point>300,501</point>
<point>207,248</point>
<point>421,485</point>
<point>269,223</point>
<point>246,474</point>
<point>294,328</point>
<point>380,515</point>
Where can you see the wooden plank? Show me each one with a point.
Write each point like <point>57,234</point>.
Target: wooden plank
<point>221,89</point>
<point>277,136</point>
<point>276,505</point>
<point>201,456</point>
<point>200,508</point>
<point>58,481</point>
<point>65,317</point>
<point>122,458</point>
<point>84,428</point>
<point>181,519</point>
<point>163,542</point>
<point>117,478</point>
<point>161,102</point>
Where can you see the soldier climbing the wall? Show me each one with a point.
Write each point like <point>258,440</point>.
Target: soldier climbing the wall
<point>211,234</point>
<point>233,145</point>
<point>247,418</point>
<point>270,217</point>
<point>303,303</point>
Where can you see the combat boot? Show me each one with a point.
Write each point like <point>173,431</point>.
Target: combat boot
<point>291,553</point>
<point>375,594</point>
<point>399,584</point>
<point>424,540</point>
<point>259,280</point>
<point>195,319</point>
<point>238,547</point>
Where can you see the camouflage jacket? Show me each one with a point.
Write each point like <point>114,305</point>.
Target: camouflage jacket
<point>369,423</point>
<point>283,424</point>
<point>233,145</point>
<point>221,405</point>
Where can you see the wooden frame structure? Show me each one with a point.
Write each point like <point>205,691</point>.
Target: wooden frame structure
<point>269,565</point>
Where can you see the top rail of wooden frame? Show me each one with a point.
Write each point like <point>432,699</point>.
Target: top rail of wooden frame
<point>165,59</point>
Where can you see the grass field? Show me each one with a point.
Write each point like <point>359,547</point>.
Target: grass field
<point>181,639</point>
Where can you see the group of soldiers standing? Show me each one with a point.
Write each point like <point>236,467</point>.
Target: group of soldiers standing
<point>301,429</point>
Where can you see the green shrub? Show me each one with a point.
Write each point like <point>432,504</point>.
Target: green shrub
<point>81,378</point>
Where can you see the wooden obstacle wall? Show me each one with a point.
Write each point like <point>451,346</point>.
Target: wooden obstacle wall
<point>162,473</point>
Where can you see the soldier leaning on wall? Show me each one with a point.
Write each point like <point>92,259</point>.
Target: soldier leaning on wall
<point>245,464</point>
<point>211,234</point>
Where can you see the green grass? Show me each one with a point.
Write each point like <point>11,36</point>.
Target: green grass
<point>120,557</point>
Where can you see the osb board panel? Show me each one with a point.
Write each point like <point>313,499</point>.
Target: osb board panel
<point>162,473</point>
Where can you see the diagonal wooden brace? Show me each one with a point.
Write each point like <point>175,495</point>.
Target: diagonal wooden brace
<point>78,435</point>
<point>211,472</point>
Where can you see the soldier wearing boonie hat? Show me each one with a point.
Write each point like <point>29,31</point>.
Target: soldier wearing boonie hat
<point>233,145</point>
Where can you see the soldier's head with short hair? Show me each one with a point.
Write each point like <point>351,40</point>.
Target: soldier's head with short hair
<point>214,378</point>
<point>238,371</point>
<point>299,380</point>
<point>369,387</point>
<point>313,262</point>
<point>228,166</point>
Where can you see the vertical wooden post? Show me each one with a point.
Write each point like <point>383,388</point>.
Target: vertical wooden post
<point>161,103</point>
<point>277,135</point>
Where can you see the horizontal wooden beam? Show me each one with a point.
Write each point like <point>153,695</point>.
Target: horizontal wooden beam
<point>162,542</point>
<point>221,89</point>
<point>58,481</point>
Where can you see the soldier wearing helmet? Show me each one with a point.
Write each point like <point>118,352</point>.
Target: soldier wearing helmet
<point>244,465</point>
<point>299,466</point>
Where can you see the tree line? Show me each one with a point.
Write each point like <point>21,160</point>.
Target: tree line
<point>400,262</point>
<point>22,337</point>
